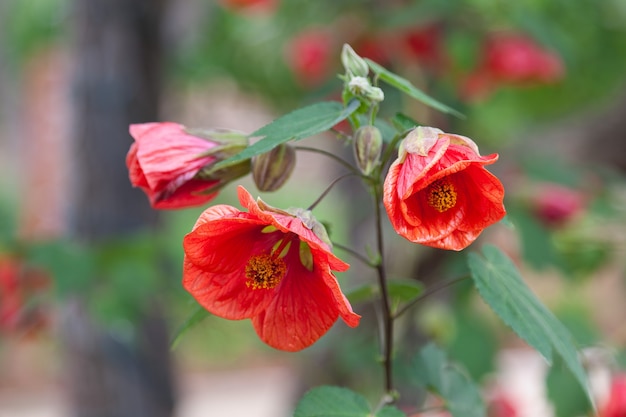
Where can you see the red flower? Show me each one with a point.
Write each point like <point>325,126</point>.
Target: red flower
<point>438,192</point>
<point>512,59</point>
<point>19,286</point>
<point>250,5</point>
<point>616,404</point>
<point>516,58</point>
<point>425,44</point>
<point>267,265</point>
<point>556,204</point>
<point>309,56</point>
<point>10,294</point>
<point>166,162</point>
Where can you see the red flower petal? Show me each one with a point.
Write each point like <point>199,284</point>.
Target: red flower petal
<point>304,308</point>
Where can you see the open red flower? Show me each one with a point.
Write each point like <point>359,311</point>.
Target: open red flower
<point>438,192</point>
<point>267,265</point>
<point>167,162</point>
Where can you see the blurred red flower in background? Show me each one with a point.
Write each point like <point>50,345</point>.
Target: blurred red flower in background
<point>555,204</point>
<point>20,313</point>
<point>425,44</point>
<point>310,56</point>
<point>512,59</point>
<point>438,192</point>
<point>267,265</point>
<point>166,162</point>
<point>250,5</point>
<point>616,403</point>
<point>376,47</point>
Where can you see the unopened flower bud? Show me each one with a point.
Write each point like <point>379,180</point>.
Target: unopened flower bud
<point>272,169</point>
<point>352,62</point>
<point>368,144</point>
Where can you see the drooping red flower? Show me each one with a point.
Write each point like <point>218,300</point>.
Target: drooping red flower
<point>438,192</point>
<point>309,55</point>
<point>267,265</point>
<point>167,161</point>
<point>616,403</point>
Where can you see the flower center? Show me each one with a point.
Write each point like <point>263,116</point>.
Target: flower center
<point>441,195</point>
<point>264,271</point>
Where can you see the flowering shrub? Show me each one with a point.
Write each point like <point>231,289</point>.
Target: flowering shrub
<point>276,266</point>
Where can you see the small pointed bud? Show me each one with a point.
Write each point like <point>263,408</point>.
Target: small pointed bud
<point>368,145</point>
<point>360,86</point>
<point>272,169</point>
<point>353,63</point>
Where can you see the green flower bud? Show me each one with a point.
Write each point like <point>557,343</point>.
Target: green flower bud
<point>352,62</point>
<point>368,145</point>
<point>272,169</point>
<point>360,86</point>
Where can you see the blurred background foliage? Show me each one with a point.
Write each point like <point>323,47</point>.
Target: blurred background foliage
<point>568,213</point>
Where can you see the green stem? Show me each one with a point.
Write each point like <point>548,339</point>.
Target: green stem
<point>387,319</point>
<point>330,155</point>
<point>430,291</point>
<point>355,254</point>
<point>327,190</point>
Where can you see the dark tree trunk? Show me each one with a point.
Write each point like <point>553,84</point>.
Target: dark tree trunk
<point>117,56</point>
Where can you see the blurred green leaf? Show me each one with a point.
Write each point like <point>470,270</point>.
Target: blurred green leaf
<point>537,246</point>
<point>402,122</point>
<point>406,87</point>
<point>565,393</point>
<point>299,124</point>
<point>199,314</point>
<point>404,291</point>
<point>73,267</point>
<point>328,401</point>
<point>433,369</point>
<point>501,286</point>
<point>399,291</point>
<point>361,294</point>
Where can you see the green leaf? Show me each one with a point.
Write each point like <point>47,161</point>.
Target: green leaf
<point>199,314</point>
<point>501,286</point>
<point>298,124</point>
<point>402,122</point>
<point>389,411</point>
<point>406,87</point>
<point>404,290</point>
<point>327,401</point>
<point>400,291</point>
<point>363,293</point>
<point>433,369</point>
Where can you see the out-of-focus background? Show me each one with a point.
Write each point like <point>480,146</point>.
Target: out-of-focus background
<point>90,294</point>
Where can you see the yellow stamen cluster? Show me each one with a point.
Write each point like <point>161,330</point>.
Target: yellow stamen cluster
<point>264,271</point>
<point>441,195</point>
